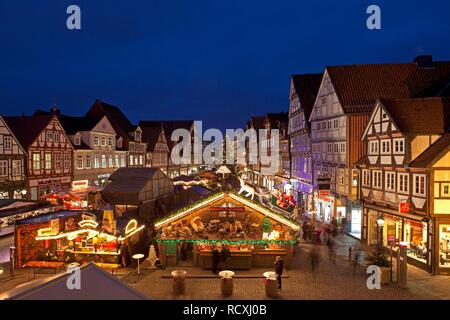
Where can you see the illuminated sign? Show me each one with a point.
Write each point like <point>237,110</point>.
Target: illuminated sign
<point>404,207</point>
<point>80,184</point>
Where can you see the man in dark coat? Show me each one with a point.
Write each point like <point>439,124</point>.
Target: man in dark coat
<point>225,255</point>
<point>215,259</point>
<point>279,266</point>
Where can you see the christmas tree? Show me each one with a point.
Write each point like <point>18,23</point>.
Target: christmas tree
<point>266,226</point>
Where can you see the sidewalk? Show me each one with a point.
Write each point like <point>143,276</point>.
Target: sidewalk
<point>420,282</point>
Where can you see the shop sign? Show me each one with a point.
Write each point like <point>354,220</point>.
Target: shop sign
<point>404,207</point>
<point>103,175</point>
<point>80,184</point>
<point>227,209</point>
<point>44,182</point>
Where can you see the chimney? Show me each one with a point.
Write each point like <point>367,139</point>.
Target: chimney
<point>424,61</point>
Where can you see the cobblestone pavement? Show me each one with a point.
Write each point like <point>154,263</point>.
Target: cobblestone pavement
<point>331,281</point>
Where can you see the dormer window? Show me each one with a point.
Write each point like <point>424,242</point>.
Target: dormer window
<point>119,143</point>
<point>77,141</point>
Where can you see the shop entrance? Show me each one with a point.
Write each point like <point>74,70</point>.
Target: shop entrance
<point>185,255</point>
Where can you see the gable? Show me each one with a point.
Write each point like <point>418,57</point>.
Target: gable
<point>327,102</point>
<point>380,122</point>
<point>444,161</point>
<point>16,148</point>
<point>104,126</point>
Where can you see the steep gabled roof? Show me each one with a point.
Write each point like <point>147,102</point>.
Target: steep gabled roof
<point>307,86</point>
<point>432,153</point>
<point>359,86</point>
<point>118,120</point>
<point>419,116</point>
<point>257,122</point>
<point>27,128</point>
<point>277,118</point>
<point>96,284</point>
<point>151,136</point>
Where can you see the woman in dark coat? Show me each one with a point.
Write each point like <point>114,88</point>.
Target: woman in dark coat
<point>215,259</point>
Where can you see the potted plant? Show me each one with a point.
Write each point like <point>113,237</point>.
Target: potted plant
<point>380,258</point>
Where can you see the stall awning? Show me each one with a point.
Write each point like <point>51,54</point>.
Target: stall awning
<point>415,217</point>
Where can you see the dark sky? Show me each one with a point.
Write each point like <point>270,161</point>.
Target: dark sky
<point>217,61</point>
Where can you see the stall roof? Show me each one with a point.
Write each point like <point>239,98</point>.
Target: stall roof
<point>47,217</point>
<point>96,284</point>
<point>14,207</point>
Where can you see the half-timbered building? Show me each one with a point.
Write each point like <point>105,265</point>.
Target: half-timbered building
<point>50,154</point>
<point>340,115</point>
<point>12,164</point>
<point>157,148</point>
<point>403,177</point>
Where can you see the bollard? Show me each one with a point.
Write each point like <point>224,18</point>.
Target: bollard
<point>179,282</point>
<point>270,284</point>
<point>226,282</point>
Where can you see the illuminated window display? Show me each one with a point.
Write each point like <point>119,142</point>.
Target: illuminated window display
<point>444,245</point>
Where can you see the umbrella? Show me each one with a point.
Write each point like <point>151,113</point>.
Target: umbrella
<point>223,170</point>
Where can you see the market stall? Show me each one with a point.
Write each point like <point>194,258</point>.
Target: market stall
<point>77,236</point>
<point>254,234</point>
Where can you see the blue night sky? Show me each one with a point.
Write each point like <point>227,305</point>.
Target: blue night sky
<point>211,60</point>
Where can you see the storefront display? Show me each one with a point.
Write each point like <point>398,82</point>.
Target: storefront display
<point>253,234</point>
<point>444,245</point>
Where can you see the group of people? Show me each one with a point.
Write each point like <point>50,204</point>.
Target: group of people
<point>220,254</point>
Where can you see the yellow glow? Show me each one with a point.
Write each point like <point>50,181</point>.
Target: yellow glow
<point>88,223</point>
<point>44,231</point>
<point>131,226</point>
<point>131,233</point>
<point>181,214</point>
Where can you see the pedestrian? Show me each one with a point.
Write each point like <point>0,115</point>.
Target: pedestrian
<point>356,259</point>
<point>225,256</point>
<point>279,266</point>
<point>305,230</point>
<point>215,259</point>
<point>332,250</point>
<point>344,224</point>
<point>314,258</point>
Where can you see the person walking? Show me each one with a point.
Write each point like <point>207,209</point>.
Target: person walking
<point>305,230</point>
<point>279,266</point>
<point>225,256</point>
<point>215,259</point>
<point>331,249</point>
<point>314,258</point>
<point>356,259</point>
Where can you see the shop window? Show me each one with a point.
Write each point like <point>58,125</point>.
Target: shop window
<point>390,181</point>
<point>419,185</point>
<point>444,245</point>
<point>416,238</point>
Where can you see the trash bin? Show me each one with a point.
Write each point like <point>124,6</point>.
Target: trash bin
<point>179,281</point>
<point>270,283</point>
<point>226,282</point>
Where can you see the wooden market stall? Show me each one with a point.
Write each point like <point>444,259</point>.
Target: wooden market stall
<point>254,234</point>
<point>70,236</point>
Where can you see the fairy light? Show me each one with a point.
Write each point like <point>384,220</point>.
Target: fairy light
<point>88,223</point>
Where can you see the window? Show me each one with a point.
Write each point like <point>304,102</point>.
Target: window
<point>7,142</point>
<point>119,143</point>
<point>324,100</point>
<point>399,146</point>
<point>88,161</point>
<point>56,137</point>
<point>385,146</point>
<point>342,147</point>
<point>48,160</point>
<point>116,161</point>
<point>96,162</point>
<point>336,147</point>
<point>390,181</point>
<point>136,160</point>
<point>110,161</point>
<point>57,160</point>
<point>140,160</point>
<point>336,123</point>
<point>103,142</point>
<point>16,167</point>
<point>110,142</point>
<point>329,148</point>
<point>445,189</point>
<point>341,177</point>
<point>49,135</point>
<point>103,161</point>
<point>366,177</point>
<point>376,179</point>
<point>67,160</point>
<point>137,135</point>
<point>77,141</point>
<point>373,147</point>
<point>96,141</point>
<point>403,181</point>
<point>4,168</point>
<point>36,161</point>
<point>131,160</point>
<point>122,161</point>
<point>419,184</point>
<point>329,124</point>
<point>80,162</point>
